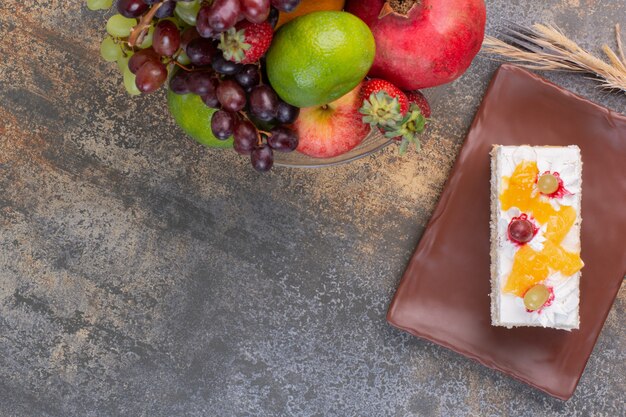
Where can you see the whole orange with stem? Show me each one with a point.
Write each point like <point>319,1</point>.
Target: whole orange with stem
<point>309,6</point>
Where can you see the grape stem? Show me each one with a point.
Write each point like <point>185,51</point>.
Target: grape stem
<point>173,61</point>
<point>258,131</point>
<point>184,67</point>
<point>245,116</point>
<point>259,136</point>
<point>139,31</point>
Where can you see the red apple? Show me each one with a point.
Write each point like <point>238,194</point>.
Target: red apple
<point>422,43</point>
<point>331,129</point>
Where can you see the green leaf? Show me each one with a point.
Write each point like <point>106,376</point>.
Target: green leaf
<point>404,145</point>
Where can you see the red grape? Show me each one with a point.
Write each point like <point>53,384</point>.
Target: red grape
<point>263,102</point>
<point>255,11</point>
<point>166,9</point>
<point>262,158</point>
<point>283,139</point>
<point>200,51</point>
<point>201,83</point>
<point>231,96</point>
<point>286,5</point>
<point>246,137</point>
<point>223,14</point>
<point>151,76</point>
<point>166,38</point>
<point>286,113</point>
<point>272,19</point>
<point>210,99</point>
<point>249,76</point>
<point>131,8</point>
<point>223,124</point>
<point>179,82</point>
<point>187,36</point>
<point>202,22</point>
<point>141,57</point>
<point>521,230</point>
<point>224,66</point>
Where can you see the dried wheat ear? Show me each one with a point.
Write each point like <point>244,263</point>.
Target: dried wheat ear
<point>545,47</point>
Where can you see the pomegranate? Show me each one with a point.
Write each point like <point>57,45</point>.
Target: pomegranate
<point>422,43</point>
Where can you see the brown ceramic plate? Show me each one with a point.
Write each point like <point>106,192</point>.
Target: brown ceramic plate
<point>444,293</point>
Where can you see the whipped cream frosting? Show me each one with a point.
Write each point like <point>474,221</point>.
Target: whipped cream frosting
<point>562,312</point>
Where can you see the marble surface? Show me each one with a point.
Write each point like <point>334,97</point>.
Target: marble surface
<point>144,275</point>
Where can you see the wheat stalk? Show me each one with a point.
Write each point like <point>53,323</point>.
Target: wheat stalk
<point>545,47</point>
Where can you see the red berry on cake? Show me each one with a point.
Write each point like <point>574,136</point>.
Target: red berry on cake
<point>521,230</point>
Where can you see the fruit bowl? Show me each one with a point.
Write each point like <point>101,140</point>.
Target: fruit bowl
<point>372,143</point>
<point>298,85</point>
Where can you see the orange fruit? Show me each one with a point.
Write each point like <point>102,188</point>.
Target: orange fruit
<point>317,58</point>
<point>309,6</point>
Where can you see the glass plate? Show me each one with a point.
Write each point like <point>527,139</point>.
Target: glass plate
<point>373,142</point>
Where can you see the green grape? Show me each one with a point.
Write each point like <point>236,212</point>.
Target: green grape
<point>120,26</point>
<point>99,4</point>
<point>109,50</point>
<point>93,4</point>
<point>548,184</point>
<point>536,297</point>
<point>183,58</point>
<point>187,11</point>
<point>122,62</point>
<point>189,4</point>
<point>147,40</point>
<point>129,82</point>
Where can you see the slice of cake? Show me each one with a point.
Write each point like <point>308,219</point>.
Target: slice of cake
<point>535,236</point>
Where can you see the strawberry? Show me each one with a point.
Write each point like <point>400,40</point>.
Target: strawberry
<point>384,105</point>
<point>397,115</point>
<point>416,97</point>
<point>376,85</point>
<point>246,42</point>
<point>407,131</point>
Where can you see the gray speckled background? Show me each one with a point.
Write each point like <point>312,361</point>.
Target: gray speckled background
<point>144,275</point>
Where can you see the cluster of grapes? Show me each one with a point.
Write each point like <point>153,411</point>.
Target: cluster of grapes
<point>243,102</point>
<point>156,40</point>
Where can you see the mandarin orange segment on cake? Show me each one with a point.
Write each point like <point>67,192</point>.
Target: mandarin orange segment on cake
<point>559,224</point>
<point>529,268</point>
<point>549,260</point>
<point>520,192</point>
<point>559,259</point>
<point>520,186</point>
